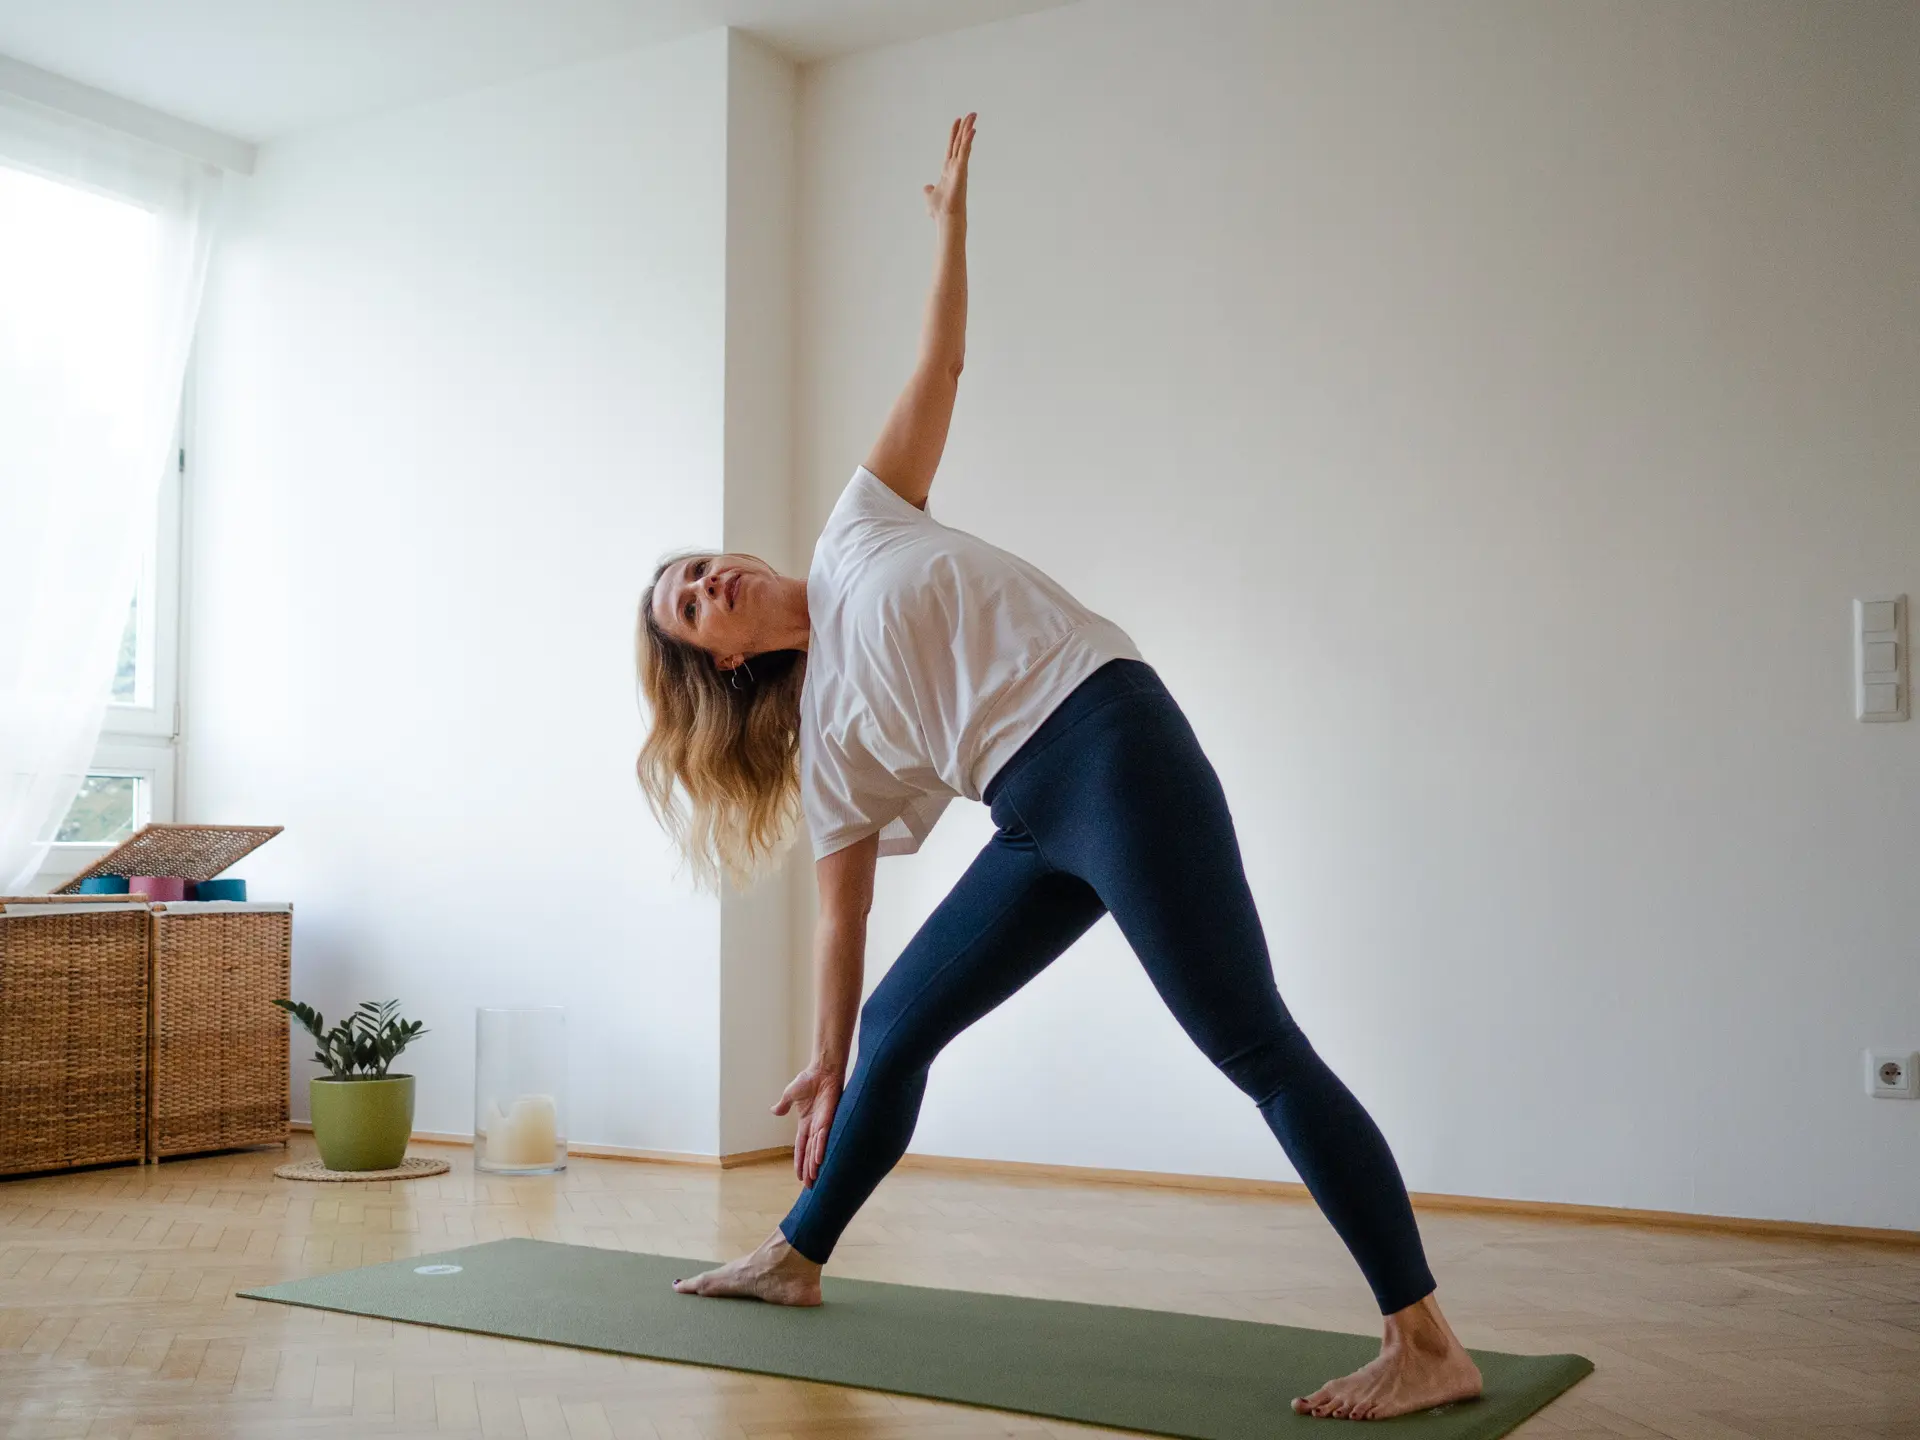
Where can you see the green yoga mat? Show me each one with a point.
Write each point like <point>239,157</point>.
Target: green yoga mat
<point>1192,1376</point>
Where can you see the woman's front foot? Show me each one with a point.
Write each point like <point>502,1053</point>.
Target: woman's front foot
<point>776,1273</point>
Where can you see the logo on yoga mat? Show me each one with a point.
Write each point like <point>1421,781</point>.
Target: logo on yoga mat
<point>436,1269</point>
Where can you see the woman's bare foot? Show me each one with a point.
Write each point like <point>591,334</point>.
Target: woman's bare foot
<point>776,1273</point>
<point>1421,1364</point>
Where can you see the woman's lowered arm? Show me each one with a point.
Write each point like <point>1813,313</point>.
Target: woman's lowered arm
<point>839,962</point>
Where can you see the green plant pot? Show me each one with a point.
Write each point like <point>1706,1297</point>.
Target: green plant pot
<point>361,1124</point>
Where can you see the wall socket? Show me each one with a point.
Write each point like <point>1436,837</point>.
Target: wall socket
<point>1893,1077</point>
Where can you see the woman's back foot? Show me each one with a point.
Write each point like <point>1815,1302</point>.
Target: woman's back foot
<point>775,1273</point>
<point>1421,1364</point>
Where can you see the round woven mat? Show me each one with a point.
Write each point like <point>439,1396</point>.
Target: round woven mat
<point>411,1168</point>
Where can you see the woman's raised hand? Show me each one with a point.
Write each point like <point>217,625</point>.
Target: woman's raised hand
<point>815,1091</point>
<point>949,197</point>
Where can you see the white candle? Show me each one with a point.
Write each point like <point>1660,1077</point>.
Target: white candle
<point>528,1134</point>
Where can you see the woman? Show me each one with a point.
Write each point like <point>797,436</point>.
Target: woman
<point>915,663</point>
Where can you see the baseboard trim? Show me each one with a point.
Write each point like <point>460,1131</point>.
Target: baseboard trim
<point>1231,1185</point>
<point>609,1152</point>
<point>756,1157</point>
<point>1532,1209</point>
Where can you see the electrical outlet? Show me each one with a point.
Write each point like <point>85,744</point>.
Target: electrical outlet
<point>1893,1077</point>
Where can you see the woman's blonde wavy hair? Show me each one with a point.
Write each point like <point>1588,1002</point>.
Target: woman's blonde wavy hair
<point>734,749</point>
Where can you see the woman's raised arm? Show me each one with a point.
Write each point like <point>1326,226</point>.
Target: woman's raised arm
<point>910,444</point>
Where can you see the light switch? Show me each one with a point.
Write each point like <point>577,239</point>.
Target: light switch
<point>1881,685</point>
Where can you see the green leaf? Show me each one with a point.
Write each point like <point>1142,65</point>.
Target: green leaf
<point>365,1044</point>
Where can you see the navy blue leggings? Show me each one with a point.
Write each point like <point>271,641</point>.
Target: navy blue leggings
<point>1111,806</point>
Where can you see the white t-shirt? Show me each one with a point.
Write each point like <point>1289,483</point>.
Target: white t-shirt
<point>933,656</point>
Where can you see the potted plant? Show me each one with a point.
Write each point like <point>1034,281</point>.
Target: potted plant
<point>362,1116</point>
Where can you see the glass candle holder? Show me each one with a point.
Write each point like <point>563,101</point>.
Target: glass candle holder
<point>519,1089</point>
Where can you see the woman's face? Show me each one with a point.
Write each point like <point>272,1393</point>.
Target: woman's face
<point>721,603</point>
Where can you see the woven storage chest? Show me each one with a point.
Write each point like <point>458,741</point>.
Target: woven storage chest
<point>158,1012</point>
<point>73,1034</point>
<point>219,1045</point>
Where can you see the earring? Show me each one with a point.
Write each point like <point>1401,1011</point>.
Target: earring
<point>734,674</point>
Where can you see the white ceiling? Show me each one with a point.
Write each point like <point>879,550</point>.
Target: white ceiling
<point>257,69</point>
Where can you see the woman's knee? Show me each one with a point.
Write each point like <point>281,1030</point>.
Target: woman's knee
<point>886,1034</point>
<point>1281,1056</point>
<point>876,1020</point>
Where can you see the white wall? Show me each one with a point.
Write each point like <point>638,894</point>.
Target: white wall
<point>1483,415</point>
<point>462,383</point>
<point>755,996</point>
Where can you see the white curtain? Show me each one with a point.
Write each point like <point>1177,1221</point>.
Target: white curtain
<point>103,249</point>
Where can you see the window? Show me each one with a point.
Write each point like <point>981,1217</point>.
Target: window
<point>103,235</point>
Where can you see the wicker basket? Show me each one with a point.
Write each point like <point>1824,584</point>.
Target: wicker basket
<point>73,1033</point>
<point>219,1055</point>
<point>208,1056</point>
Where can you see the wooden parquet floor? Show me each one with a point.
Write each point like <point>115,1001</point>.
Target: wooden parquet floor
<point>118,1318</point>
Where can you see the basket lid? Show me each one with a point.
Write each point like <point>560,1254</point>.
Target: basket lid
<point>192,852</point>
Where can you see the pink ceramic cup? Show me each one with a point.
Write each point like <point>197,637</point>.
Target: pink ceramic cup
<point>158,887</point>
